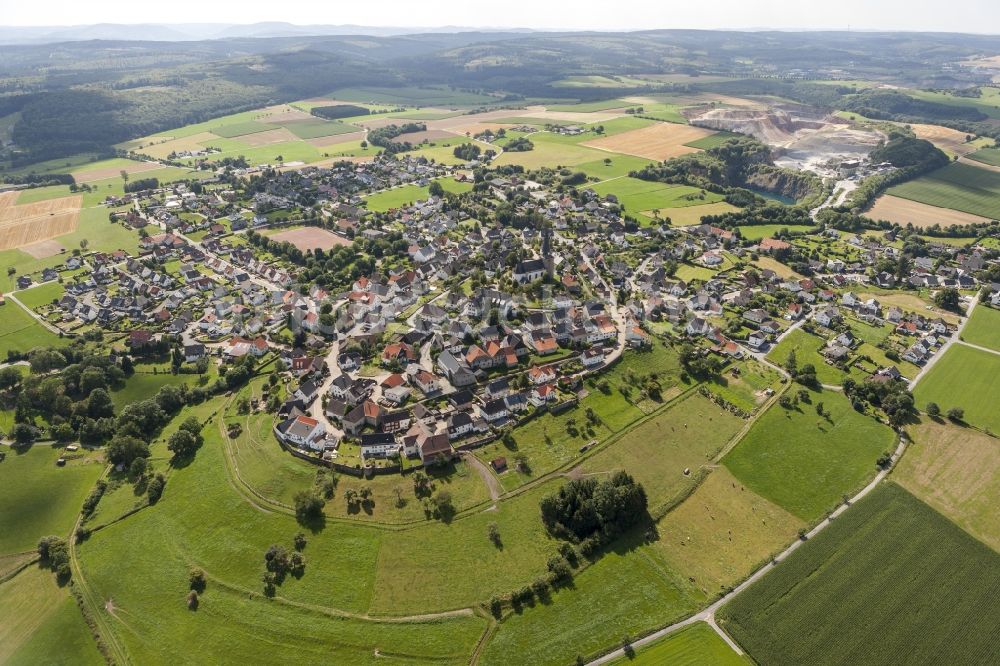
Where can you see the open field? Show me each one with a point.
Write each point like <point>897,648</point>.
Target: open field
<point>756,232</point>
<point>957,186</point>
<point>642,199</point>
<point>552,154</point>
<point>697,645</point>
<point>747,389</point>
<point>966,378</point>
<point>630,590</point>
<point>807,350</point>
<point>722,532</point>
<point>144,385</point>
<point>983,328</point>
<point>906,211</point>
<point>661,141</point>
<point>40,623</point>
<point>408,194</point>
<point>310,238</point>
<point>20,332</point>
<point>41,295</point>
<point>620,165</point>
<point>112,169</point>
<point>37,498</point>
<point>686,216</point>
<point>949,140</point>
<point>988,156</point>
<point>890,581</point>
<point>804,462</point>
<point>909,302</point>
<point>657,452</point>
<point>957,471</point>
<point>25,224</point>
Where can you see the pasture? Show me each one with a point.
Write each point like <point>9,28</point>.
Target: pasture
<point>690,215</point>
<point>957,471</point>
<point>906,211</point>
<point>890,580</point>
<point>758,232</point>
<point>40,623</point>
<point>696,645</point>
<point>804,462</point>
<point>37,498</point>
<point>629,590</point>
<point>967,378</point>
<point>983,328</point>
<point>723,531</point>
<point>661,141</point>
<point>990,156</point>
<point>957,186</point>
<point>657,451</point>
<point>405,195</point>
<point>645,199</point>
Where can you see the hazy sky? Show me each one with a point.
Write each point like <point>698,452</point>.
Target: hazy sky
<point>982,16</point>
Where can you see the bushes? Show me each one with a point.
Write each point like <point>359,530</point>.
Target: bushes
<point>308,505</point>
<point>155,488</point>
<point>94,497</point>
<point>55,555</point>
<point>585,508</point>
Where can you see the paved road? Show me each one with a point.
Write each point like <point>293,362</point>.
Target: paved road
<point>708,614</point>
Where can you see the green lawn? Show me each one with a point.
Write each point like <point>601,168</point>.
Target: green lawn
<point>615,167</point>
<point>714,140</point>
<point>759,231</point>
<point>142,386</point>
<point>41,295</point>
<point>806,463</point>
<point>890,581</point>
<point>628,591</point>
<point>696,645</point>
<point>967,378</point>
<point>956,186</point>
<point>40,623</point>
<point>983,328</point>
<point>38,498</point>
<point>640,197</point>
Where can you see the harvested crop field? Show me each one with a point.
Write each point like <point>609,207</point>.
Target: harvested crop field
<point>43,249</point>
<point>114,172</point>
<point>310,238</point>
<point>656,142</point>
<point>34,222</point>
<point>336,139</point>
<point>945,138</point>
<point>427,135</point>
<point>921,215</point>
<point>277,135</point>
<point>162,150</point>
<point>957,471</point>
<point>283,114</point>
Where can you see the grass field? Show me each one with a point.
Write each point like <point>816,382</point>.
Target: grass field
<point>20,332</point>
<point>957,471</point>
<point>37,498</point>
<point>689,215</point>
<point>41,295</point>
<point>661,141</point>
<point>713,141</point>
<point>407,194</point>
<point>722,532</point>
<point>697,645</point>
<point>142,386</point>
<point>958,186</point>
<point>759,231</point>
<point>806,347</point>
<point>983,328</point>
<point>640,198</point>
<point>628,591</point>
<point>40,623</point>
<point>657,452</point>
<point>966,378</point>
<point>746,390</point>
<point>989,156</point>
<point>805,463</point>
<point>890,581</point>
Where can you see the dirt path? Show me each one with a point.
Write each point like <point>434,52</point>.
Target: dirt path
<point>484,472</point>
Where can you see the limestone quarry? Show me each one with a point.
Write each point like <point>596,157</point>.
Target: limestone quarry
<point>801,138</point>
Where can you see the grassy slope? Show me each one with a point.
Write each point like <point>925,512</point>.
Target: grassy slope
<point>889,581</point>
<point>40,623</point>
<point>628,591</point>
<point>803,462</point>
<point>697,645</point>
<point>966,378</point>
<point>20,332</point>
<point>37,498</point>
<point>806,347</point>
